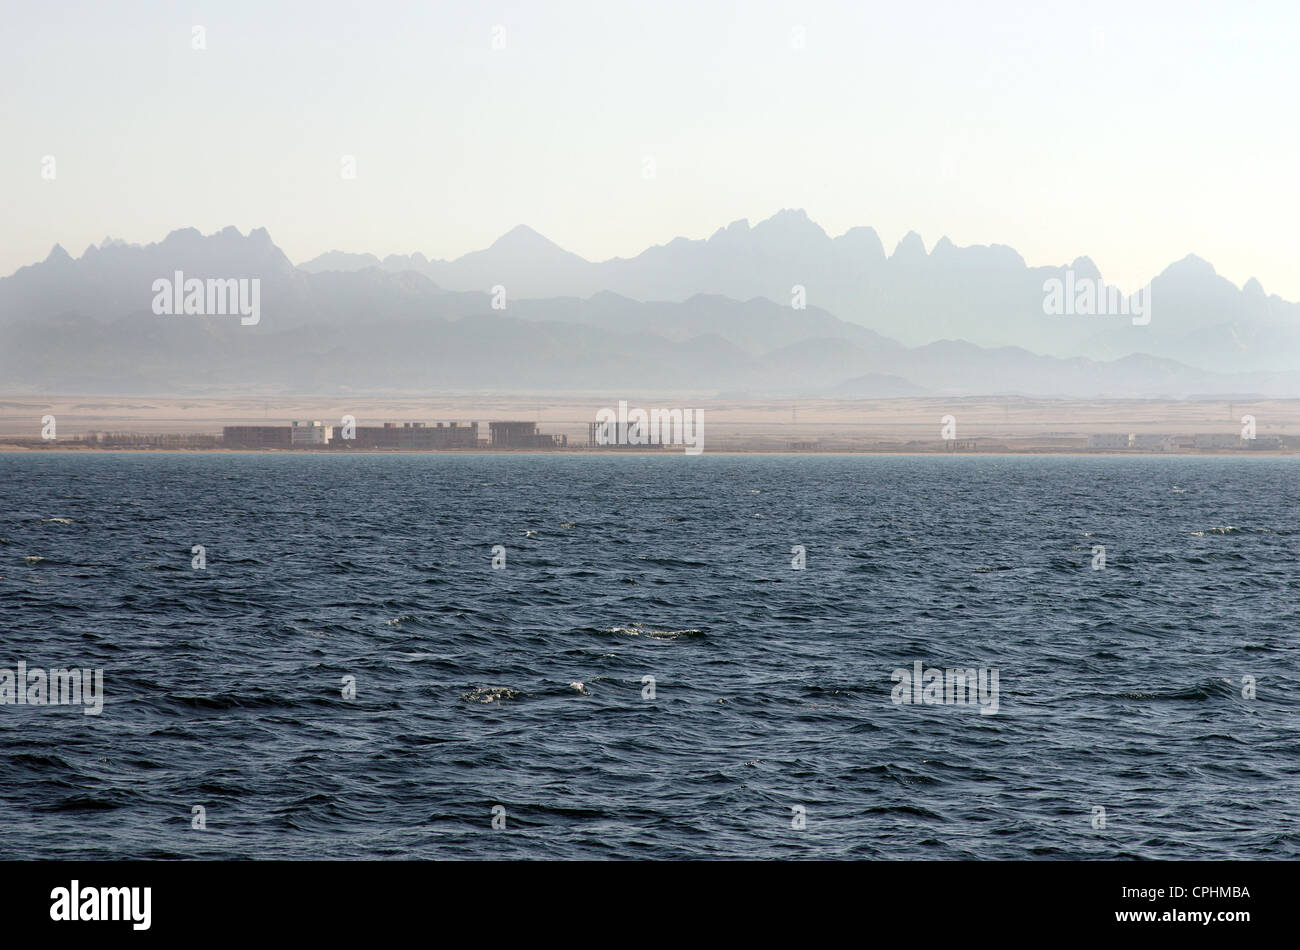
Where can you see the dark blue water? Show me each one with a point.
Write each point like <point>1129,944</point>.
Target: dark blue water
<point>1119,689</point>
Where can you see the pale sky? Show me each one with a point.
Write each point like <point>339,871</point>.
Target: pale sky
<point>1132,132</point>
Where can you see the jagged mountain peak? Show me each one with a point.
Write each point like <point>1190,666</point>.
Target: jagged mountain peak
<point>1190,266</point>
<point>910,247</point>
<point>790,224</point>
<point>182,235</point>
<point>1085,267</point>
<point>735,230</point>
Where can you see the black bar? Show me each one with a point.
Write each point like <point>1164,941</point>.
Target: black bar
<point>951,902</point>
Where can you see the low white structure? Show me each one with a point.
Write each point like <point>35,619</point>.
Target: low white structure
<point>1153,442</point>
<point>1109,440</point>
<point>1219,440</point>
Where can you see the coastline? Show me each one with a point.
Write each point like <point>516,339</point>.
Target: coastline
<point>984,425</point>
<point>11,449</point>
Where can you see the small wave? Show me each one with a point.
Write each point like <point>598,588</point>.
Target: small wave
<point>1197,691</point>
<point>815,690</point>
<point>56,521</point>
<point>659,561</point>
<point>85,803</point>
<point>1233,529</point>
<point>912,811</point>
<point>230,701</point>
<point>32,559</point>
<point>38,761</point>
<point>637,630</point>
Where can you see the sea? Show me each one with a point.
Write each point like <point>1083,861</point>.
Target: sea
<point>626,656</point>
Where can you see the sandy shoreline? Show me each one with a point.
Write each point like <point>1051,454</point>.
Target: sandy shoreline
<point>1011,425</point>
<point>992,452</point>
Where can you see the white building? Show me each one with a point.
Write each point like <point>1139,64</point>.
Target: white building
<point>310,433</point>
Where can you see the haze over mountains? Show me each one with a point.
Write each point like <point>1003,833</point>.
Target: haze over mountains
<point>701,315</point>
<point>985,295</point>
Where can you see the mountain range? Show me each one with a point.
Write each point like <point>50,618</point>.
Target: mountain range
<point>699,315</point>
<point>985,295</point>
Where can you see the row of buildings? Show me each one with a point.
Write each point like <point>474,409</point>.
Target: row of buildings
<point>148,440</point>
<point>1155,442</point>
<point>391,435</point>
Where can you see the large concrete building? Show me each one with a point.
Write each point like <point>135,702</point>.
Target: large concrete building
<point>1142,441</point>
<point>522,435</point>
<point>1109,440</point>
<point>412,435</point>
<point>1219,440</point>
<point>307,434</point>
<point>256,437</point>
<point>1153,442</point>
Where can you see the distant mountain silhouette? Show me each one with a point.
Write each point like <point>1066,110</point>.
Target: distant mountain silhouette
<point>984,294</point>
<point>86,324</point>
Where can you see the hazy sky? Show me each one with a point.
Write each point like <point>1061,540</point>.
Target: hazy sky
<point>1132,132</point>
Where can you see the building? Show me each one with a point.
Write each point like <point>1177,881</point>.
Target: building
<point>413,435</point>
<point>305,434</point>
<point>410,436</point>
<point>1109,440</point>
<point>1153,442</point>
<point>151,440</point>
<point>1218,440</point>
<point>256,437</point>
<point>522,435</point>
